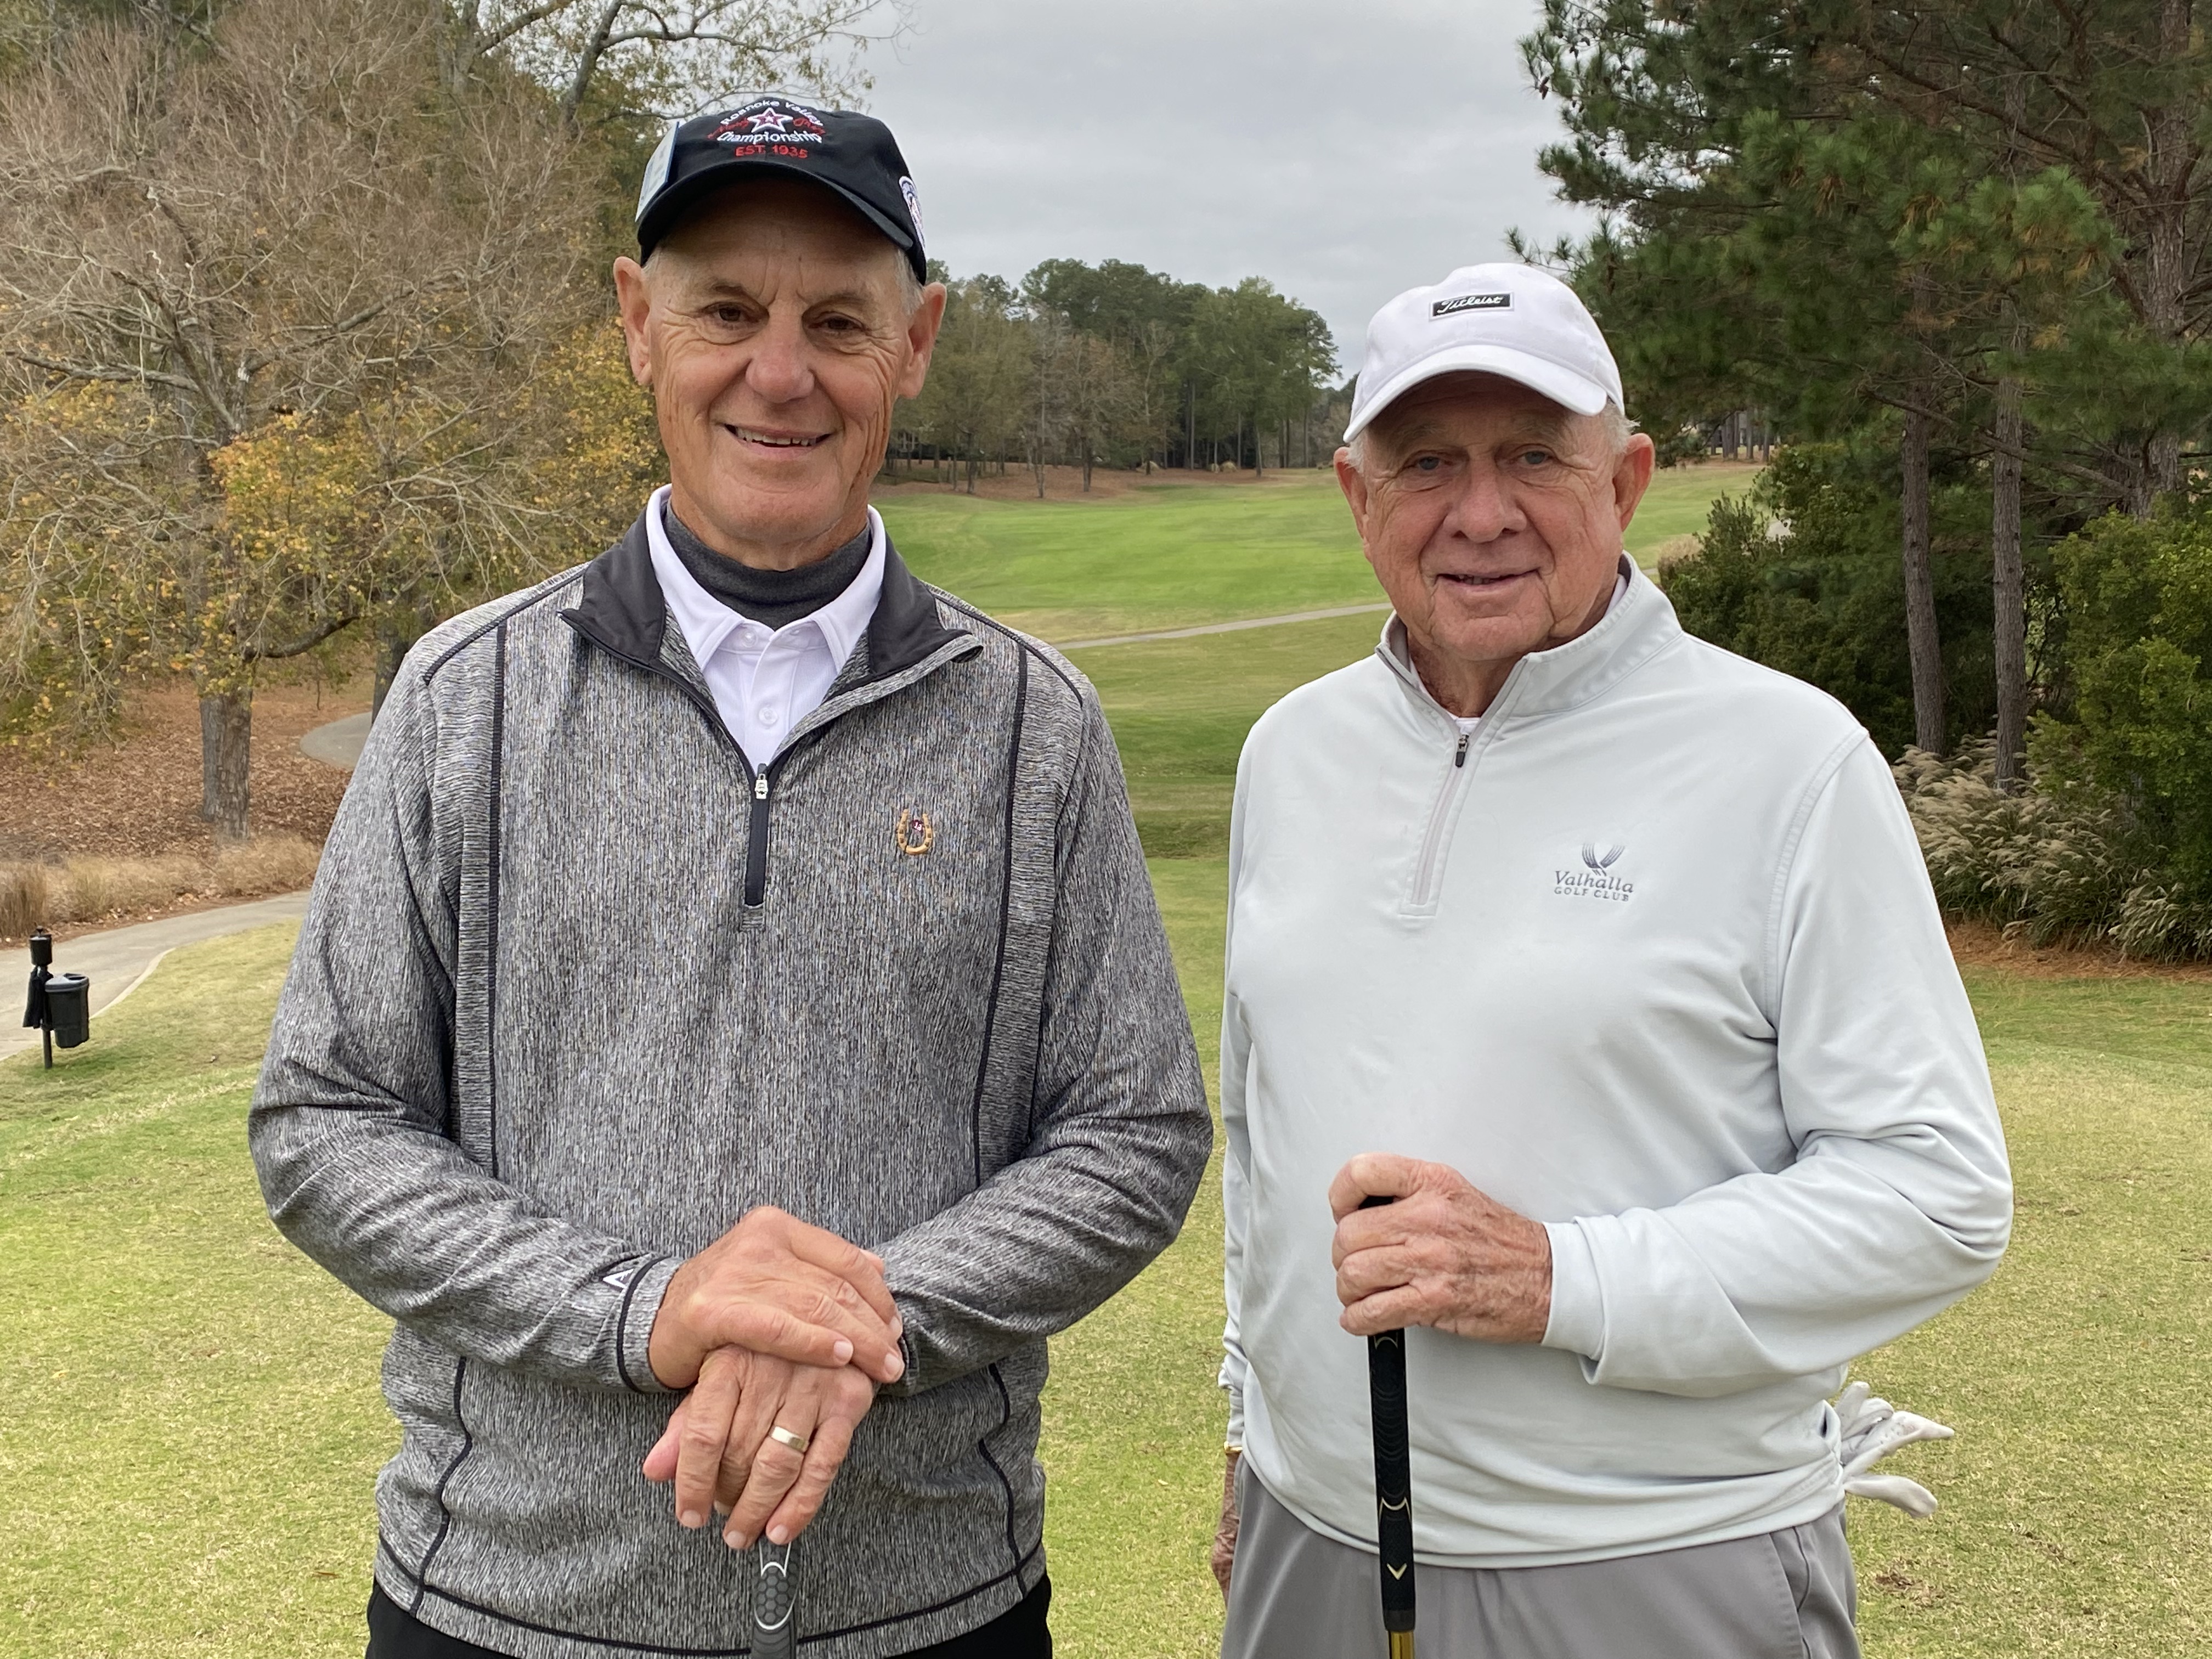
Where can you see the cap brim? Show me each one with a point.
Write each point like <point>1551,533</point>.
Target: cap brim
<point>675,203</point>
<point>1566,387</point>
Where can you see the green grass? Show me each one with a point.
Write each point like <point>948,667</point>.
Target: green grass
<point>1133,1418</point>
<point>1174,555</point>
<point>190,1422</point>
<point>189,1419</point>
<point>1162,555</point>
<point>2078,1496</point>
<point>1180,709</point>
<point>189,1415</point>
<point>1676,504</point>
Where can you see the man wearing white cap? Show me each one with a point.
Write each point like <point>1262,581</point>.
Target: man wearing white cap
<point>1609,959</point>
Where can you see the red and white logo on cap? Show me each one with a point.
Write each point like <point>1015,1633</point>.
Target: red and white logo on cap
<point>769,120</point>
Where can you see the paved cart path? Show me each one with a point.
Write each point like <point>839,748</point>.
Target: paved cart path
<point>119,959</point>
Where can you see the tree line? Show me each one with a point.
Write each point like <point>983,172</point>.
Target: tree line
<point>1955,250</point>
<point>1115,365</point>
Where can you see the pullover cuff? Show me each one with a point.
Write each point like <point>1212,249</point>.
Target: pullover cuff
<point>634,1326</point>
<point>1577,1321</point>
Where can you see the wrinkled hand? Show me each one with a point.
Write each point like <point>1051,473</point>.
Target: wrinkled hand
<point>1223,1558</point>
<point>1443,1255</point>
<point>777,1285</point>
<point>716,1447</point>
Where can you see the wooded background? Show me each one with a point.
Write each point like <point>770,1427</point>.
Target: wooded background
<point>1954,252</point>
<point>306,333</point>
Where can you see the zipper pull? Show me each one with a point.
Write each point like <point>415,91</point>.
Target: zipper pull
<point>1459,756</point>
<point>760,783</point>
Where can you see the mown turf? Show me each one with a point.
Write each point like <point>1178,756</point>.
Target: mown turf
<point>1676,505</point>
<point>189,1421</point>
<point>1133,1418</point>
<point>189,1414</point>
<point>1174,555</point>
<point>2078,1496</point>
<point>1163,555</point>
<point>1180,709</point>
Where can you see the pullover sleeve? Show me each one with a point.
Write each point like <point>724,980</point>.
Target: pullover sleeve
<point>1235,1192</point>
<point>351,1128</point>
<point>1122,1133</point>
<point>1899,1199</point>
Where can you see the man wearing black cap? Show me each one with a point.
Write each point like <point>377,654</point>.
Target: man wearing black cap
<point>733,970</point>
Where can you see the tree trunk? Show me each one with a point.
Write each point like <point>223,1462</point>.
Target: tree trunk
<point>396,634</point>
<point>226,749</point>
<point>2008,587</point>
<point>1927,648</point>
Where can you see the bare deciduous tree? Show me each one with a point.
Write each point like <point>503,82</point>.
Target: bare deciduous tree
<point>665,59</point>
<point>263,242</point>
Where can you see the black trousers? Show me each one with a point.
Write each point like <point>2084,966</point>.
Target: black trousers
<point>1018,1633</point>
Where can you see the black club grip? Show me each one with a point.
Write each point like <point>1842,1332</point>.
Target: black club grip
<point>775,1599</point>
<point>1394,1472</point>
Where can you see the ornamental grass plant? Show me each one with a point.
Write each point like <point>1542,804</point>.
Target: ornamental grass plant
<point>2061,861</point>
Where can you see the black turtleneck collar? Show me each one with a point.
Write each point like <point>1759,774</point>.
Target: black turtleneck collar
<point>775,597</point>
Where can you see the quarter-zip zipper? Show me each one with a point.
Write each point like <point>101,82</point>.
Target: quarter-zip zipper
<point>755,887</point>
<point>756,842</point>
<point>1427,874</point>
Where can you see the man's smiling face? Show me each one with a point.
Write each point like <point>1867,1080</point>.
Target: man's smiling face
<point>1493,519</point>
<point>776,329</point>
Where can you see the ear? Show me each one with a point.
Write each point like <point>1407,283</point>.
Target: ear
<point>921,339</point>
<point>1631,475</point>
<point>1353,483</point>
<point>634,298</point>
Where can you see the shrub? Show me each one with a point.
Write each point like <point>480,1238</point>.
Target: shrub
<point>1804,576</point>
<point>2138,597</point>
<point>96,889</point>
<point>22,899</point>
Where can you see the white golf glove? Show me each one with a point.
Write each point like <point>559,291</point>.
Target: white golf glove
<point>1872,1429</point>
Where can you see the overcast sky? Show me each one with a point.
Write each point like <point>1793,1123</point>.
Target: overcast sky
<point>1343,151</point>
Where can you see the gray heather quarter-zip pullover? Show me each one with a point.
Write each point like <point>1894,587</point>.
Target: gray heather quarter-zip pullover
<point>579,987</point>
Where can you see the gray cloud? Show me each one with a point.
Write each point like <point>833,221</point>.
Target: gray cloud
<point>1345,153</point>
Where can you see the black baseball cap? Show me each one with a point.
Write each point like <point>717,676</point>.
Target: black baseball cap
<point>854,156</point>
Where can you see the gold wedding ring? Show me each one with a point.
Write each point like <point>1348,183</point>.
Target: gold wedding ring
<point>783,1436</point>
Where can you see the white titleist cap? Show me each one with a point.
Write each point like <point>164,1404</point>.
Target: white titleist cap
<point>1507,319</point>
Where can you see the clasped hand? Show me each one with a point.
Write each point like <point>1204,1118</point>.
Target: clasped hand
<point>718,1450</point>
<point>777,1324</point>
<point>1442,1253</point>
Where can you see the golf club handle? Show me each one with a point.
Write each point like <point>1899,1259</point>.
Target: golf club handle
<point>775,1600</point>
<point>1394,1480</point>
<point>1393,1477</point>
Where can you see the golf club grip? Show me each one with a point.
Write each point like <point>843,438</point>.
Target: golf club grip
<point>1394,1472</point>
<point>775,1599</point>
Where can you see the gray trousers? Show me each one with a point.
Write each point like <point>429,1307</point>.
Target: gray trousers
<point>1789,1595</point>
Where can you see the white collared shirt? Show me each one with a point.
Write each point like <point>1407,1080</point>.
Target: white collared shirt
<point>764,680</point>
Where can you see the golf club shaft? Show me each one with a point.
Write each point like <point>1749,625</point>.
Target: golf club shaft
<point>1393,1482</point>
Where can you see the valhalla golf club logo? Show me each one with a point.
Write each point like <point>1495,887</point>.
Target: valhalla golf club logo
<point>1595,879</point>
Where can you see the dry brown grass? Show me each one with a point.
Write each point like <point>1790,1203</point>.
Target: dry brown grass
<point>94,890</point>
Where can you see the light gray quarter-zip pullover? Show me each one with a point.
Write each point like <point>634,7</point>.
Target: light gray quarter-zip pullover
<point>1651,956</point>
